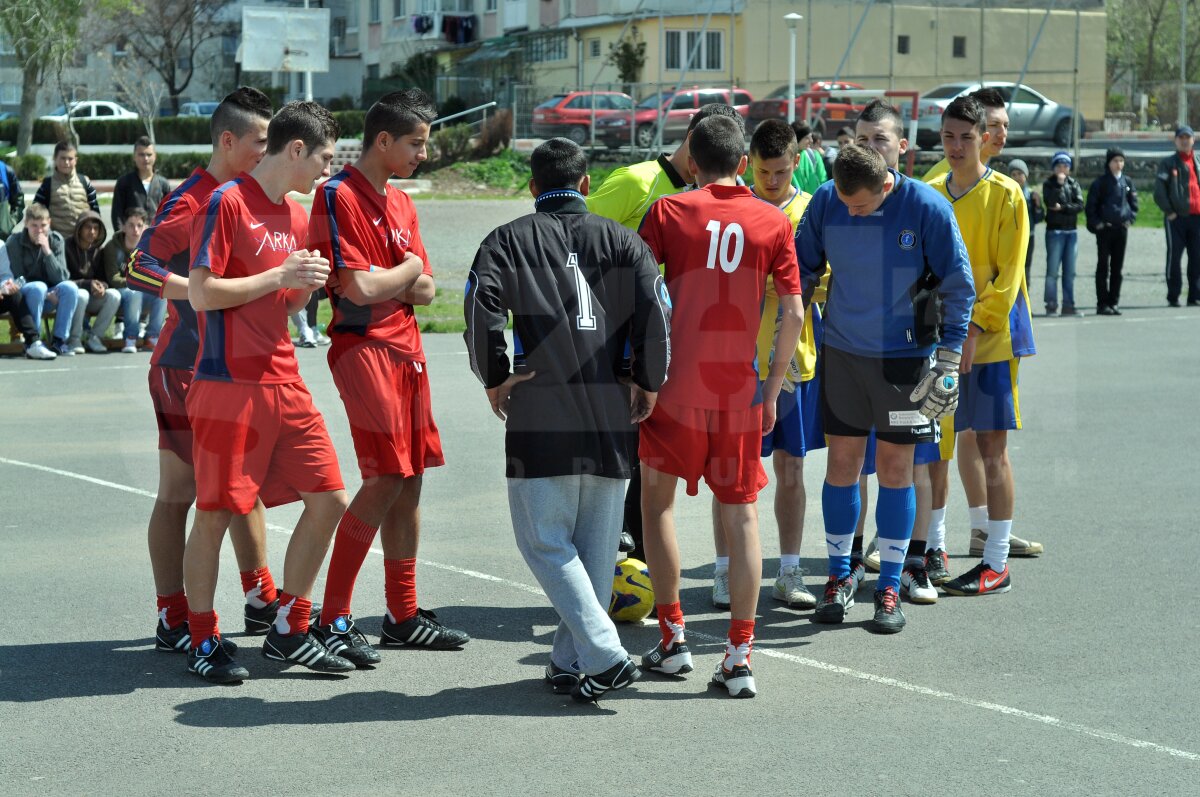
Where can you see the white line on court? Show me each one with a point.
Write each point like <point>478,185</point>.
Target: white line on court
<point>803,661</point>
<point>67,370</point>
<point>1076,322</point>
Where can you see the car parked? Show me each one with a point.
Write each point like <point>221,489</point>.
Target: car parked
<point>824,113</point>
<point>676,110</point>
<point>89,110</point>
<point>1031,116</point>
<point>571,114</point>
<point>198,108</point>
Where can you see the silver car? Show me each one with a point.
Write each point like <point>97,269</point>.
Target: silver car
<point>1030,115</point>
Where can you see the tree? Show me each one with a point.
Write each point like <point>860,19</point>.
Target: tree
<point>629,56</point>
<point>167,37</point>
<point>144,93</point>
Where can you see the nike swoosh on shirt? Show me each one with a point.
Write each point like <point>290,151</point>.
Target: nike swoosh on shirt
<point>256,226</point>
<point>376,222</point>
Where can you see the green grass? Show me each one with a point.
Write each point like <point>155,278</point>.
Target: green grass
<point>444,315</point>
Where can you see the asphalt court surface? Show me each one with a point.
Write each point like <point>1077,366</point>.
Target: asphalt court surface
<point>1081,680</point>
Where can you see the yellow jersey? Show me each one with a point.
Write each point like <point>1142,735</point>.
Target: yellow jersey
<point>937,170</point>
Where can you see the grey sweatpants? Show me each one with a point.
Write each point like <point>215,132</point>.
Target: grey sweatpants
<point>567,528</point>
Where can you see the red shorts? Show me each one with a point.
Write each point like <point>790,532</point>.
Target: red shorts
<point>719,445</point>
<point>168,393</point>
<point>252,441</point>
<point>387,402</point>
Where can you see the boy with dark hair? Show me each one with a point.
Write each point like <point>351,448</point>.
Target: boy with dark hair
<point>37,254</point>
<point>810,168</point>
<point>256,431</point>
<point>141,188</point>
<point>579,287</point>
<point>718,245</point>
<point>992,216</point>
<point>159,267</point>
<point>381,270</point>
<point>66,193</point>
<point>1112,207</point>
<point>86,267</point>
<point>885,238</point>
<point>116,256</point>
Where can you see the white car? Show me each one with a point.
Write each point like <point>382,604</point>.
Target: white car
<point>90,110</point>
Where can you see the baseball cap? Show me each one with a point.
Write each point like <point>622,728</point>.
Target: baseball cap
<point>1183,130</point>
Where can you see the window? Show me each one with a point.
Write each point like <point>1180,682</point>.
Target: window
<point>741,98</point>
<point>1027,96</point>
<point>551,47</point>
<point>902,45</point>
<point>372,71</point>
<point>104,110</point>
<point>709,55</point>
<point>593,48</point>
<point>397,9</point>
<point>373,14</point>
<point>682,101</point>
<point>229,45</point>
<point>960,47</point>
<point>490,5</point>
<point>10,94</point>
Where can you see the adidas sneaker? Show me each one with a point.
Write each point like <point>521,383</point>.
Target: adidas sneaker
<point>212,662</point>
<point>307,650</point>
<point>422,630</point>
<point>341,638</point>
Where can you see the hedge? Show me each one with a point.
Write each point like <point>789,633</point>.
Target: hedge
<point>174,166</point>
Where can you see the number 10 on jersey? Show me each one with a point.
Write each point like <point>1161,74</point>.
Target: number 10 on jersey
<point>719,244</point>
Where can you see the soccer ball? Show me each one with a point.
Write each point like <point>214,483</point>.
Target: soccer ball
<point>632,595</point>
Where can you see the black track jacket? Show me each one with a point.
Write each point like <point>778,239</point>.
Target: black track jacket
<point>589,307</point>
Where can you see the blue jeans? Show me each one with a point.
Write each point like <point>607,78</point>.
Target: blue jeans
<point>131,309</point>
<point>35,294</point>
<point>1060,251</point>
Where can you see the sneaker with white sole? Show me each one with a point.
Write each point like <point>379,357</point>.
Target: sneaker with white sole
<point>720,589</point>
<point>130,346</point>
<point>871,560</point>
<point>591,687</point>
<point>38,351</point>
<point>94,345</point>
<point>738,680</point>
<point>1016,545</point>
<point>62,348</point>
<point>76,347</point>
<point>673,660</point>
<point>916,586</point>
<point>790,588</point>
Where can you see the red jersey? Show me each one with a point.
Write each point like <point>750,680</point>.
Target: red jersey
<point>718,244</point>
<point>242,233</point>
<point>165,248</point>
<point>358,228</point>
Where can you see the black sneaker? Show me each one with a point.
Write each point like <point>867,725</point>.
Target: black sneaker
<point>937,566</point>
<point>675,660</point>
<point>838,597</point>
<point>422,631</point>
<point>560,680</point>
<point>980,580</point>
<point>858,571</point>
<point>341,638</point>
<point>307,650</point>
<point>889,617</point>
<point>738,681</point>
<point>259,621</point>
<point>591,687</point>
<point>626,543</point>
<point>212,662</point>
<point>179,639</point>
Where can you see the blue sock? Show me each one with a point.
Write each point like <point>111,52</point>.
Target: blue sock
<point>840,506</point>
<point>895,511</point>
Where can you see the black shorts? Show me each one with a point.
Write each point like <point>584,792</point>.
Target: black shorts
<point>858,393</point>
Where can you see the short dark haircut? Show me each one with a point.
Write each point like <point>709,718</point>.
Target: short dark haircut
<point>143,142</point>
<point>967,109</point>
<point>989,97</point>
<point>64,146</point>
<point>304,121</point>
<point>135,211</point>
<point>558,163</point>
<point>717,109</point>
<point>773,138</point>
<point>398,114</point>
<point>857,167</point>
<point>878,111</point>
<point>845,131</point>
<point>238,111</point>
<point>801,129</point>
<point>718,144</point>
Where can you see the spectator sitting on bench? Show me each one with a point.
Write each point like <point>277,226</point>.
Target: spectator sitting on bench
<point>116,258</point>
<point>37,254</point>
<point>86,268</point>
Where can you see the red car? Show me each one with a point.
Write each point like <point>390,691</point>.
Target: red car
<point>824,114</point>
<point>676,110</point>
<point>571,115</point>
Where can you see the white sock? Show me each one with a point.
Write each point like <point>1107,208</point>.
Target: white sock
<point>788,560</point>
<point>937,530</point>
<point>979,517</point>
<point>995,550</point>
<point>721,564</point>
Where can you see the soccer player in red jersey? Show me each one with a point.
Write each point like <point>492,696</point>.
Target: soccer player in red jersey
<point>255,429</point>
<point>159,266</point>
<point>381,270</point>
<point>718,244</point>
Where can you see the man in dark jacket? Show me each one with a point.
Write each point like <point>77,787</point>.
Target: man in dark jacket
<point>1112,205</point>
<point>37,255</point>
<point>1177,194</point>
<point>140,188</point>
<point>1063,199</point>
<point>579,287</point>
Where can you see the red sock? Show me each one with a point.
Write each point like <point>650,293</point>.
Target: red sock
<point>670,620</point>
<point>400,588</point>
<point>741,632</point>
<point>350,548</point>
<point>202,625</point>
<point>172,609</point>
<point>259,587</point>
<point>293,614</point>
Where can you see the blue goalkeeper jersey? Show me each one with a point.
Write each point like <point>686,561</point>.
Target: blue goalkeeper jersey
<point>877,261</point>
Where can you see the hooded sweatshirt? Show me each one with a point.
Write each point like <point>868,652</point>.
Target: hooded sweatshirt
<point>85,265</point>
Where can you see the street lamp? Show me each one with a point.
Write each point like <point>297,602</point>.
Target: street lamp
<point>791,20</point>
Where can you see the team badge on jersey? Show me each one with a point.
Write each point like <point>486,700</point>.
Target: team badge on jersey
<point>907,240</point>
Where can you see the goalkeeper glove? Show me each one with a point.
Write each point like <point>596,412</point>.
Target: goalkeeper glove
<point>938,389</point>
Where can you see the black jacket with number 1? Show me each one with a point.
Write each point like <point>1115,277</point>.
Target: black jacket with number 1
<point>589,308</point>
